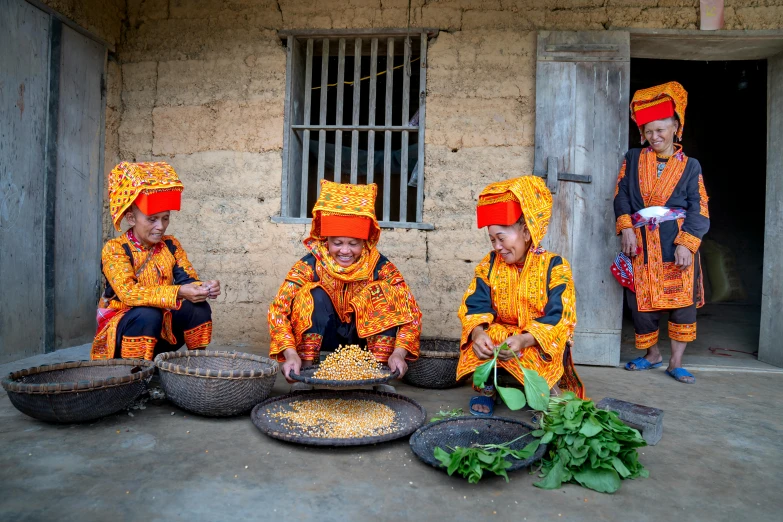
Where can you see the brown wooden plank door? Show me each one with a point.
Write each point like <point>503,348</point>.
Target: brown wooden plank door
<point>582,85</point>
<point>770,348</point>
<point>24,84</point>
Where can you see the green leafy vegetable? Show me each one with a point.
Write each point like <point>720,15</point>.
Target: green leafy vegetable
<point>590,447</point>
<point>513,397</point>
<point>536,388</point>
<point>472,462</point>
<point>447,414</point>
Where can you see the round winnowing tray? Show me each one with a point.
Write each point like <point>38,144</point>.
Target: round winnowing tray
<point>306,376</point>
<point>409,415</point>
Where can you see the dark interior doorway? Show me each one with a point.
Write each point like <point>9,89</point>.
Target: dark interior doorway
<point>726,130</point>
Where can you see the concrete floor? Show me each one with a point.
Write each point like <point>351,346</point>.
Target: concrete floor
<point>728,337</point>
<point>717,461</point>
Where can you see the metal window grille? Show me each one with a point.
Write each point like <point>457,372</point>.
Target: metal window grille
<point>354,113</point>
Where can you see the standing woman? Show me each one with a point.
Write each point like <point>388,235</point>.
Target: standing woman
<point>521,294</point>
<point>344,291</point>
<point>661,209</point>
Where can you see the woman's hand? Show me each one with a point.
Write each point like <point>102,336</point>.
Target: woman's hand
<point>193,293</point>
<point>397,361</point>
<point>483,346</point>
<point>213,287</point>
<point>293,363</point>
<point>683,258</point>
<point>629,245</point>
<point>516,343</point>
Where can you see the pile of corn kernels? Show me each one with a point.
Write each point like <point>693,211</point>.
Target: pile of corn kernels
<point>338,418</point>
<point>349,363</point>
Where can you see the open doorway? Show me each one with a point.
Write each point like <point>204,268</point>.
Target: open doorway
<point>725,129</point>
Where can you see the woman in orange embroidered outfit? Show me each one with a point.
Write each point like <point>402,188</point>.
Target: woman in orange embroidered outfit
<point>344,291</point>
<point>521,295</point>
<point>153,301</point>
<point>661,210</point>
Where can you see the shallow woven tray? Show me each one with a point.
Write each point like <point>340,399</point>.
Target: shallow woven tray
<point>77,391</point>
<point>216,384</point>
<point>436,366</point>
<point>409,416</point>
<point>306,376</point>
<point>458,431</point>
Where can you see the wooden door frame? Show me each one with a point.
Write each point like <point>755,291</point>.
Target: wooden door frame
<point>674,44</point>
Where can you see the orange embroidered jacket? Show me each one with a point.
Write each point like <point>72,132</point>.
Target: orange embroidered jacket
<point>136,276</point>
<point>660,284</point>
<point>376,304</point>
<point>537,298</point>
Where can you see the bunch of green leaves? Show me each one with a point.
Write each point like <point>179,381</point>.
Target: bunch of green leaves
<point>588,446</point>
<point>447,414</point>
<point>536,392</point>
<point>472,462</point>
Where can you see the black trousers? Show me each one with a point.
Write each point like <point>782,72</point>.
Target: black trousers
<point>140,331</point>
<point>329,331</point>
<point>682,321</point>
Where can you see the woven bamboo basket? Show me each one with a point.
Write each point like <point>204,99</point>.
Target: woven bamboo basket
<point>78,391</point>
<point>216,384</point>
<point>436,366</point>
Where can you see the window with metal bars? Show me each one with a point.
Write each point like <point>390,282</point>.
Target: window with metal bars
<point>354,113</point>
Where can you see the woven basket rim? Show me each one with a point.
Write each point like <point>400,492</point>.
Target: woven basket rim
<point>334,394</point>
<point>10,383</point>
<point>161,361</point>
<point>327,382</point>
<point>434,354</point>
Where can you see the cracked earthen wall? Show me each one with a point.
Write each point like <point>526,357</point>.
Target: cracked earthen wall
<point>202,87</point>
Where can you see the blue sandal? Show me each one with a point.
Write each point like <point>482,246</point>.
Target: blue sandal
<point>680,374</point>
<point>482,400</point>
<point>642,364</point>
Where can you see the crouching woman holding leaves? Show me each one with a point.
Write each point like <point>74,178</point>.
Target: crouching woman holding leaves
<point>521,299</point>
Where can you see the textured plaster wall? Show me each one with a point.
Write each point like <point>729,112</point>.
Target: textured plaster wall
<point>200,84</point>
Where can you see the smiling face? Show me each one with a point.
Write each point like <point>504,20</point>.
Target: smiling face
<point>149,230</point>
<point>345,250</point>
<point>511,242</point>
<point>660,134</point>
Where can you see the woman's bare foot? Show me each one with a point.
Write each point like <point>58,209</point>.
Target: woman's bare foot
<point>555,391</point>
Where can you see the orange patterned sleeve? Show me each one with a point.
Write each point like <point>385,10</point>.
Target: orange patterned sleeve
<point>281,331</point>
<point>622,200</point>
<point>623,222</point>
<point>620,177</point>
<point>687,240</point>
<point>409,333</point>
<point>476,307</point>
<point>118,269</point>
<point>556,326</point>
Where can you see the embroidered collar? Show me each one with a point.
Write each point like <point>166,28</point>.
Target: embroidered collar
<point>137,244</point>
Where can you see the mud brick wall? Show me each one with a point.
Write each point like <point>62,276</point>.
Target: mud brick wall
<point>200,84</point>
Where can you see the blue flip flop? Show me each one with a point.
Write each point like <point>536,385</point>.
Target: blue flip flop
<point>482,400</point>
<point>681,373</point>
<point>642,364</point>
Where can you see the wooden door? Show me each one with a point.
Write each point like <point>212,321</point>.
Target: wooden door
<point>79,191</point>
<point>770,348</point>
<point>24,84</point>
<point>582,84</point>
